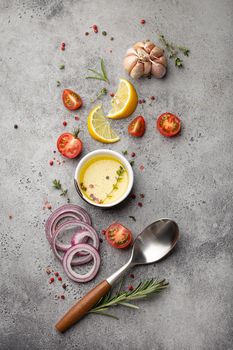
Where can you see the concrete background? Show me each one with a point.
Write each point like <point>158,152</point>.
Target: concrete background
<point>188,178</point>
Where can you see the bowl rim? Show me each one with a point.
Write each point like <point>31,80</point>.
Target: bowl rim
<point>122,159</point>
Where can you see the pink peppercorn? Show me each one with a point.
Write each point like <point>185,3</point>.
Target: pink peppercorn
<point>143,100</point>
<point>142,21</point>
<point>56,274</point>
<point>51,162</point>
<point>141,167</point>
<point>103,232</point>
<point>131,275</point>
<point>63,296</point>
<point>112,94</point>
<point>51,280</point>
<point>64,123</point>
<point>130,288</point>
<point>152,98</point>
<point>140,102</point>
<point>142,195</point>
<point>76,117</point>
<point>140,204</point>
<point>59,278</point>
<point>95,28</point>
<point>133,196</point>
<point>133,154</point>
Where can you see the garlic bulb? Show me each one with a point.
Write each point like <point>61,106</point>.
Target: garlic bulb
<point>145,58</point>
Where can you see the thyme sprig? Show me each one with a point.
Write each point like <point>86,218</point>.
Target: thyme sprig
<point>119,178</point>
<point>57,184</point>
<point>97,75</point>
<point>124,298</point>
<point>174,50</point>
<point>99,94</point>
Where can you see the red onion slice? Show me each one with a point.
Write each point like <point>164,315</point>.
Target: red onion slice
<point>67,261</point>
<point>64,212</point>
<point>88,231</point>
<point>82,237</point>
<point>64,247</point>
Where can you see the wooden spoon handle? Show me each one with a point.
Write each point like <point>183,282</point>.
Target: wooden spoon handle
<point>82,307</point>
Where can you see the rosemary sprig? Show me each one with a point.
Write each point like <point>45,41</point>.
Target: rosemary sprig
<point>119,177</point>
<point>101,93</point>
<point>124,298</point>
<point>174,50</point>
<point>99,76</point>
<point>57,184</point>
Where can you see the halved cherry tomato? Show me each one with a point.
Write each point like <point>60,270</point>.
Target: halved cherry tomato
<point>118,236</point>
<point>168,124</point>
<point>137,127</point>
<point>69,145</point>
<point>71,100</point>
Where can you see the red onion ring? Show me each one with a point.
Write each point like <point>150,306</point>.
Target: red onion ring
<point>82,237</point>
<point>64,212</point>
<point>88,232</point>
<point>67,261</point>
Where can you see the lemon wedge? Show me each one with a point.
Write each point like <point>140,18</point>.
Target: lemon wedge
<point>99,127</point>
<point>124,102</point>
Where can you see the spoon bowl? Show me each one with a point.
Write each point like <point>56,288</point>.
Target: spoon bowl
<point>155,242</point>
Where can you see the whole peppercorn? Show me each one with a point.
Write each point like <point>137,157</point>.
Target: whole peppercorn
<point>152,98</point>
<point>140,204</point>
<point>87,33</point>
<point>104,33</point>
<point>16,126</point>
<point>62,296</point>
<point>133,196</point>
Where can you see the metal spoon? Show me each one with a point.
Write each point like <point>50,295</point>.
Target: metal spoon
<point>150,246</point>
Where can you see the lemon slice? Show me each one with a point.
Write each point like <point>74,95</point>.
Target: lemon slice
<point>124,102</point>
<point>99,127</point>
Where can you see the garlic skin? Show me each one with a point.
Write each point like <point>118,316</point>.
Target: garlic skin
<point>145,58</point>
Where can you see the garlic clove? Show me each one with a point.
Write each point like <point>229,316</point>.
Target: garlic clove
<point>147,68</point>
<point>158,70</point>
<point>162,60</point>
<point>148,46</point>
<point>131,51</point>
<point>138,45</point>
<point>129,62</point>
<point>137,71</point>
<point>156,52</point>
<point>143,55</point>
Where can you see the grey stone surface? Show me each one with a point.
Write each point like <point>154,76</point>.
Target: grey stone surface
<point>188,178</point>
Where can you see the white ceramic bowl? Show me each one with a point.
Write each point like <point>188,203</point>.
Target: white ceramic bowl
<point>118,156</point>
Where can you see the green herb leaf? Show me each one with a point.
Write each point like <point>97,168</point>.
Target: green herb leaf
<point>173,51</point>
<point>103,69</point>
<point>124,298</point>
<point>97,75</point>
<point>124,153</point>
<point>132,162</point>
<point>178,62</point>
<point>58,186</point>
<point>62,66</point>
<point>132,217</point>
